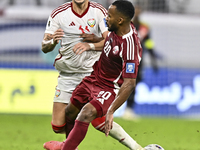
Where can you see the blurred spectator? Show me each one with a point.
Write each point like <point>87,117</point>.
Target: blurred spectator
<point>148,47</point>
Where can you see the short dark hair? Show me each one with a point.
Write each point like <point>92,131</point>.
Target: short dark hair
<point>125,7</point>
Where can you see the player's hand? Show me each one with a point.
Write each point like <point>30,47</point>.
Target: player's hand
<point>108,122</point>
<point>58,34</point>
<point>90,38</point>
<point>81,47</point>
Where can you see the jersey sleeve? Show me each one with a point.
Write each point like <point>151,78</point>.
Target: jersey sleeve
<point>131,56</point>
<point>52,25</point>
<point>102,20</point>
<point>103,26</point>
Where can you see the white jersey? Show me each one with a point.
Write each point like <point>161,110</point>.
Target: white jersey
<point>92,21</point>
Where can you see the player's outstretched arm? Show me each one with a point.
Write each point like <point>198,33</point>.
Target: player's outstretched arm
<point>124,92</point>
<point>50,40</point>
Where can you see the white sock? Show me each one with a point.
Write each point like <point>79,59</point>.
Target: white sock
<point>118,133</point>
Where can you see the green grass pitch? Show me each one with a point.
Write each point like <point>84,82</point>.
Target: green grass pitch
<point>29,132</point>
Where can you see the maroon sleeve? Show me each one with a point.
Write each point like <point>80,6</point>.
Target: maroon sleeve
<point>132,52</point>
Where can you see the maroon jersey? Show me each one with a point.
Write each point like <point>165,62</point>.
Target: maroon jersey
<point>120,59</point>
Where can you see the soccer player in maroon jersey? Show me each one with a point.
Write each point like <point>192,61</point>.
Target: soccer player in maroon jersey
<point>113,78</point>
<point>72,23</point>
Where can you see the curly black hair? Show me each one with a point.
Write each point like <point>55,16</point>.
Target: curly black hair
<point>125,7</point>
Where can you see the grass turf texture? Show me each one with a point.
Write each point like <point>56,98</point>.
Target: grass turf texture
<point>29,132</point>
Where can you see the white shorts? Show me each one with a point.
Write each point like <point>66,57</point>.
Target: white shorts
<point>66,85</point>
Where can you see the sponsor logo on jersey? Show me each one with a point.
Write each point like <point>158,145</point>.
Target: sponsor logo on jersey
<point>57,93</point>
<point>72,24</point>
<point>91,22</point>
<point>130,67</point>
<point>115,50</point>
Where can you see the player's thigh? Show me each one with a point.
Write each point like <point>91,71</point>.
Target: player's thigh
<point>81,95</point>
<point>102,99</point>
<point>64,89</point>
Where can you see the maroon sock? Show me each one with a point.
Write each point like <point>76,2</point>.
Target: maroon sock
<point>68,126</point>
<point>76,135</point>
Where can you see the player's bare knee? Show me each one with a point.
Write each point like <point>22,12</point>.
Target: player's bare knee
<point>87,114</point>
<point>58,128</point>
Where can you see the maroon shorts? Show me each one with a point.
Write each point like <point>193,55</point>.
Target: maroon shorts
<point>89,90</point>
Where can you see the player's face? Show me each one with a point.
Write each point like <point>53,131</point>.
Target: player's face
<point>111,19</point>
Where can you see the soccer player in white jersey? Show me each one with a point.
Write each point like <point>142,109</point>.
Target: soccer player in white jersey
<point>70,23</point>
<point>112,80</point>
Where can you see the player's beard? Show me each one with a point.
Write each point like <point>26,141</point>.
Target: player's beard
<point>112,27</point>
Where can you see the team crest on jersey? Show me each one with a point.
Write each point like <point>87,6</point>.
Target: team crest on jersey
<point>115,50</point>
<point>130,68</point>
<point>57,93</point>
<point>91,22</point>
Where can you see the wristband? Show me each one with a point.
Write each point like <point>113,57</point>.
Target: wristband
<point>47,42</point>
<point>92,47</point>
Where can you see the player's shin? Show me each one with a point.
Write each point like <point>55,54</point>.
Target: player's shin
<point>76,135</point>
<point>68,126</point>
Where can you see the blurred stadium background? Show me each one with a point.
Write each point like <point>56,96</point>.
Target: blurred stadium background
<point>28,78</point>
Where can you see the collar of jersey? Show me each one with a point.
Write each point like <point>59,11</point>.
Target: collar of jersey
<point>80,16</point>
